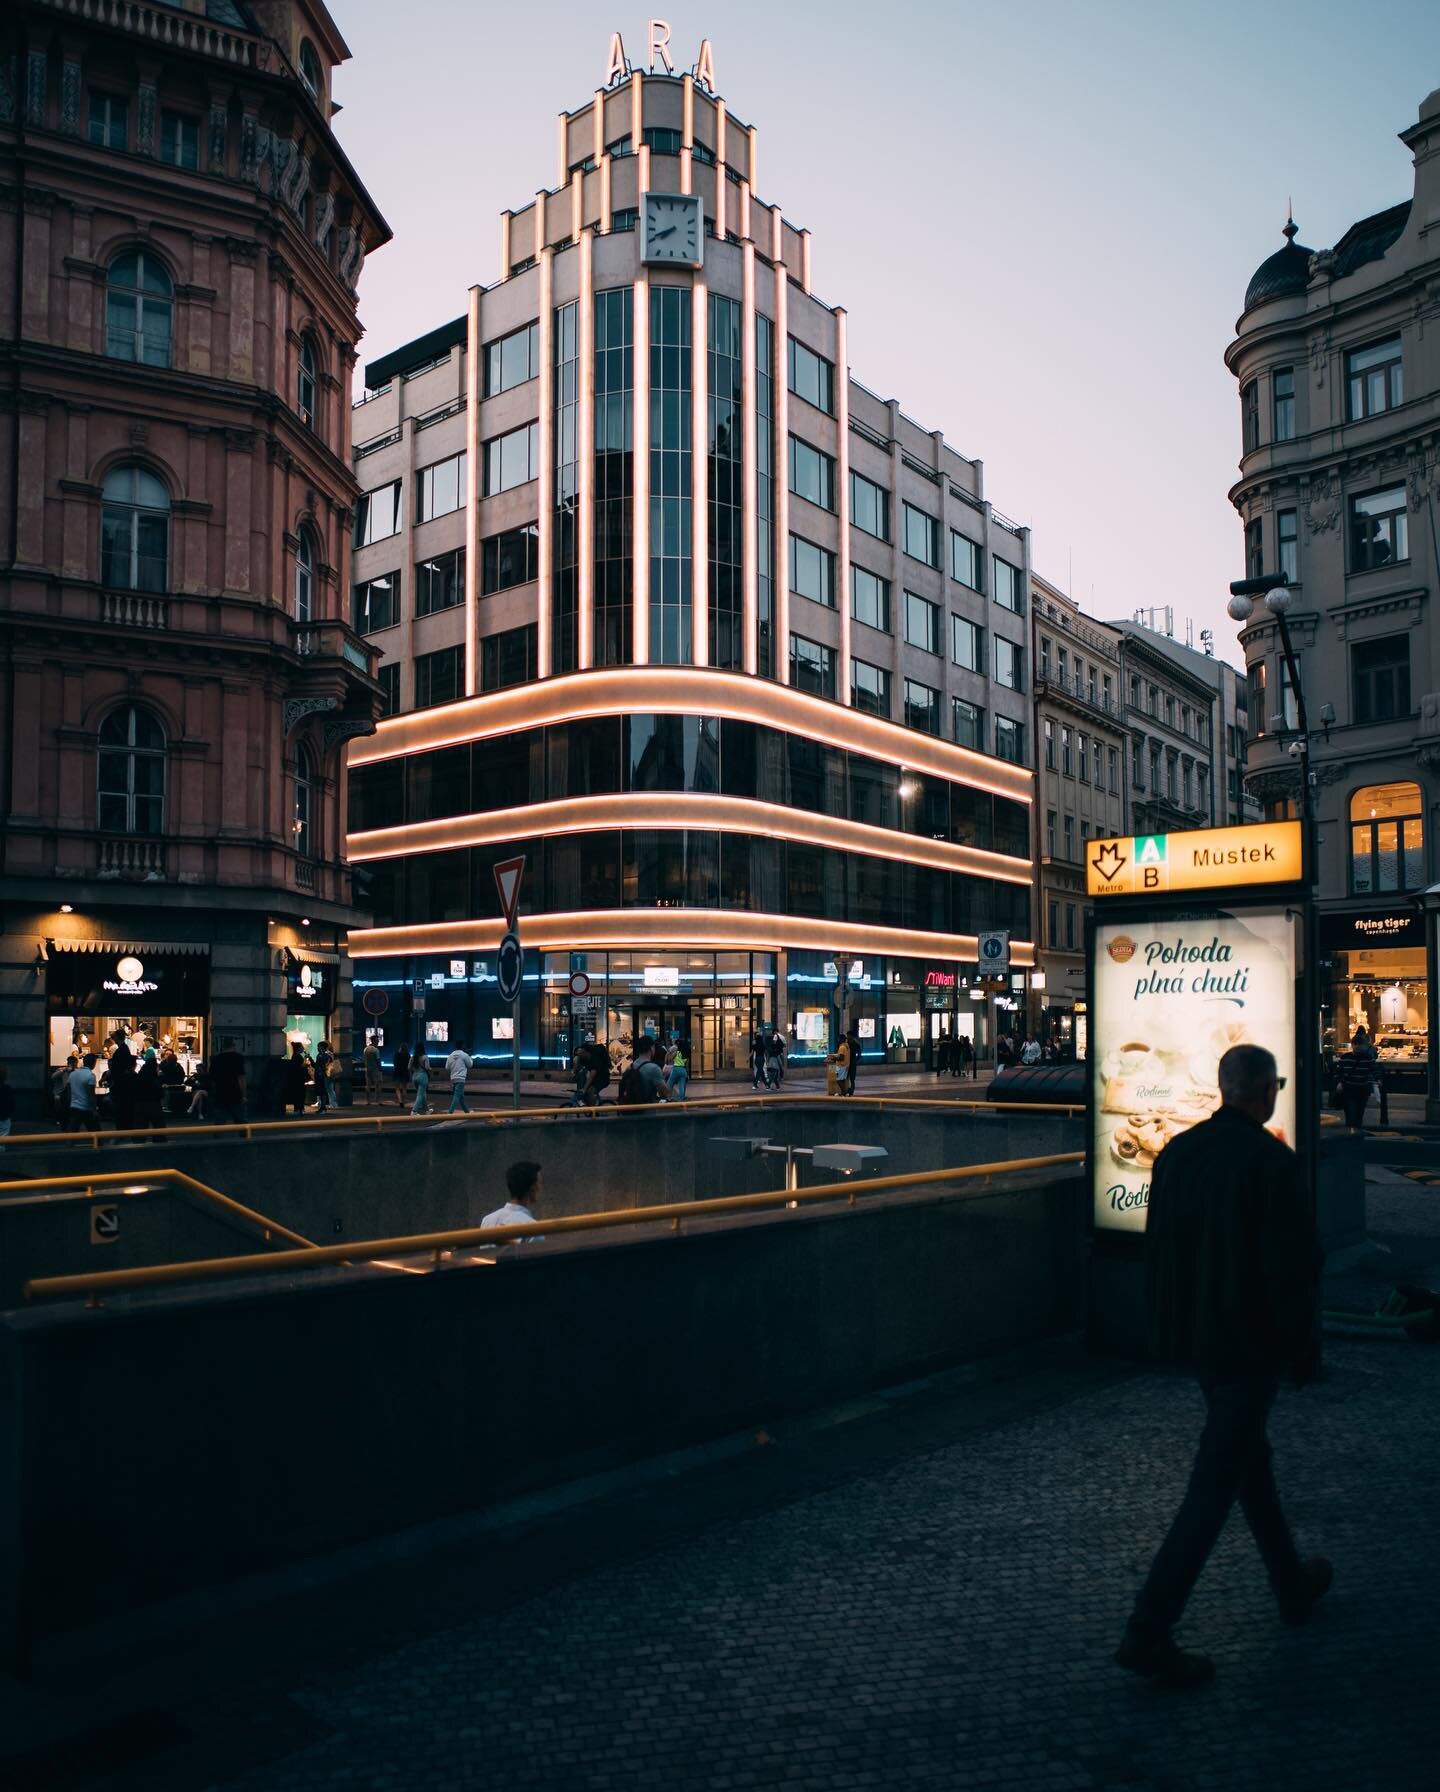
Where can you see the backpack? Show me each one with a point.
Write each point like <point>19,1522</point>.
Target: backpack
<point>632,1092</point>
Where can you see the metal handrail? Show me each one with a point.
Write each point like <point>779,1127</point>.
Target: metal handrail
<point>214,1269</point>
<point>96,1139</point>
<point>126,1183</point>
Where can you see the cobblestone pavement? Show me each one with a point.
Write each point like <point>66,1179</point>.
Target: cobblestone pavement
<point>925,1595</point>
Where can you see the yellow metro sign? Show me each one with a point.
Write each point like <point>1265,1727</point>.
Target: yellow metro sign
<point>1206,859</point>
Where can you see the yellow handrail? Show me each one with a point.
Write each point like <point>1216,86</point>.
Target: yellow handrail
<point>127,1182</point>
<point>211,1269</point>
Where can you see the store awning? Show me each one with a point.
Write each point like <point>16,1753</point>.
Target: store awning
<point>174,948</point>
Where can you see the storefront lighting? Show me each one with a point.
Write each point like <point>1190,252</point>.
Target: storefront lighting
<point>67,908</point>
<point>304,920</point>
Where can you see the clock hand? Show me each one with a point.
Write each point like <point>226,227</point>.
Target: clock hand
<point>655,235</point>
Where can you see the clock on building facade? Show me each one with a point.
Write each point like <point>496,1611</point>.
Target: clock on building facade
<point>674,232</point>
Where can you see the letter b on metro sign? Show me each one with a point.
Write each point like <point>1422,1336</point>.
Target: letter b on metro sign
<point>1150,861</point>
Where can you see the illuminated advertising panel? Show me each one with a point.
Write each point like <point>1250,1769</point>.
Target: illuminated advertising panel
<point>1199,859</point>
<point>1171,995</point>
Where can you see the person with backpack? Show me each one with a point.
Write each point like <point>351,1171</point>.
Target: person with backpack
<point>774,1061</point>
<point>1357,1068</point>
<point>758,1053</point>
<point>644,1080</point>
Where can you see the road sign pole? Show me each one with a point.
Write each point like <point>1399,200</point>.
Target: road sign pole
<point>515,1053</point>
<point>509,961</point>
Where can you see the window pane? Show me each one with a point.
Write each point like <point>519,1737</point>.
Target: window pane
<point>1412,836</point>
<point>1362,879</point>
<point>966,641</point>
<point>869,507</point>
<point>120,334</point>
<point>964,560</point>
<point>869,598</point>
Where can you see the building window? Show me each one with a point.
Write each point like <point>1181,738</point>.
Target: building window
<point>811,376</point>
<point>134,531</point>
<point>1108,691</point>
<point>1202,786</point>
<point>1050,819</point>
<point>302,825</point>
<point>812,571</point>
<point>1114,771</point>
<point>1152,698</point>
<point>1044,672</point>
<point>920,535</point>
<point>614,474</point>
<point>439,677</point>
<point>1069,837</point>
<point>1172,777</point>
<point>509,658</point>
<point>1374,377</point>
<point>869,507</point>
<point>1254,549</point>
<point>1082,750</point>
<point>565,437</point>
<point>1256,678</point>
<point>1283,402</point>
<point>622,146</point>
<point>1134,690</point>
<point>922,623</point>
<point>812,474</point>
<point>1009,587</point>
<point>440,582</point>
<point>377,514</point>
<point>869,598</point>
<point>663,141</point>
<point>870,688</point>
<point>1187,772</point>
<point>965,560</point>
<point>109,121</point>
<point>1049,734</point>
<point>1052,932</point>
<point>1010,666</point>
<point>1287,544</point>
<point>727,486</point>
<point>967,724</point>
<point>512,360</point>
<point>767,650</point>
<point>967,643</point>
<point>138,309</point>
<point>1010,740</point>
<point>377,604</point>
<point>812,667</point>
<point>1070,926</point>
<point>512,459</point>
<point>1155,785</point>
<point>304,576</point>
<point>1137,764</point>
<point>1379,529</point>
<point>179,140</point>
<point>922,707</point>
<point>1387,839</point>
<point>310,75</point>
<point>625,217</point>
<point>131,784</point>
<point>1067,763</point>
<point>305,383</point>
<point>670,475</point>
<point>440,488</point>
<point>1380,679</point>
<point>1250,415</point>
<point>389,678</point>
<point>510,558</point>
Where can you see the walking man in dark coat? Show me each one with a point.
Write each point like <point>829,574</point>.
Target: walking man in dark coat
<point>1232,1267</point>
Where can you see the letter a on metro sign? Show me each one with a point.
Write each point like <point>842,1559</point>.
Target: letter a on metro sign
<point>508,875</point>
<point>1150,862</point>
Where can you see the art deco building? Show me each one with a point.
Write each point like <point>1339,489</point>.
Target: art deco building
<point>1337,357</point>
<point>180,239</point>
<point>729,647</point>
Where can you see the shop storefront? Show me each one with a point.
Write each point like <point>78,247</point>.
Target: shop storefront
<point>153,994</point>
<point>311,986</point>
<point>1374,976</point>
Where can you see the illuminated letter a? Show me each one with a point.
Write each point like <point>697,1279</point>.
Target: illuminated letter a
<point>617,67</point>
<point>705,65</point>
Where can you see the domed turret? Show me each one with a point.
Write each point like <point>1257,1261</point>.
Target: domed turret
<point>1282,274</point>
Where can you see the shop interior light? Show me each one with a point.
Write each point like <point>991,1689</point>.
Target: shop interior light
<point>67,908</point>
<point>304,920</point>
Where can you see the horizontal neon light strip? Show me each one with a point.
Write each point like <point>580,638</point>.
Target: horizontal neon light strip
<point>688,690</point>
<point>632,929</point>
<point>667,809</point>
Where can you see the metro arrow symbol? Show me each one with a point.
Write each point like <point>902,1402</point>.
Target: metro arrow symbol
<point>1107,862</point>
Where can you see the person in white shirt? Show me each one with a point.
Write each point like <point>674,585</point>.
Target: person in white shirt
<point>522,1180</point>
<point>83,1112</point>
<point>1030,1052</point>
<point>457,1068</point>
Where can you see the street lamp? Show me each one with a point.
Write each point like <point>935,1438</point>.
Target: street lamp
<point>1273,588</point>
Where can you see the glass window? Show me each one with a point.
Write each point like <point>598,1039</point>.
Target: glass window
<point>377,514</point>
<point>179,140</point>
<point>440,582</point>
<point>920,535</point>
<point>302,824</point>
<point>663,141</point>
<point>812,571</point>
<point>1380,679</point>
<point>304,576</point>
<point>922,707</point>
<point>1287,544</point>
<point>134,531</point>
<point>439,677</point>
<point>1069,836</point>
<point>812,474</point>
<point>1049,733</point>
<point>1010,665</point>
<point>138,301</point>
<point>1010,740</point>
<point>389,677</point>
<point>377,604</point>
<point>922,622</point>
<point>625,217</point>
<point>1379,529</point>
<point>512,459</point>
<point>305,383</point>
<point>614,475</point>
<point>131,772</point>
<point>670,475</point>
<point>1050,819</point>
<point>967,643</point>
<point>1052,932</point>
<point>622,146</point>
<point>1387,839</point>
<point>310,70</point>
<point>811,376</point>
<point>1283,397</point>
<point>1067,762</point>
<point>869,598</point>
<point>1009,586</point>
<point>869,507</point>
<point>725,447</point>
<point>1374,378</point>
<point>1082,750</point>
<point>967,724</point>
<point>109,120</point>
<point>812,666</point>
<point>512,360</point>
<point>440,488</point>
<point>765,452</point>
<point>870,688</point>
<point>1254,549</point>
<point>510,558</point>
<point>966,560</point>
<point>509,658</point>
<point>1250,414</point>
<point>1115,770</point>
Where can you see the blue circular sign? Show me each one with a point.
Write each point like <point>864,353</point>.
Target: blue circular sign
<point>509,967</point>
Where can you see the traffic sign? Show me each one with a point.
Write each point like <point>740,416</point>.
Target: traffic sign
<point>994,951</point>
<point>375,1001</point>
<point>509,965</point>
<point>104,1224</point>
<point>508,876</point>
<point>579,983</point>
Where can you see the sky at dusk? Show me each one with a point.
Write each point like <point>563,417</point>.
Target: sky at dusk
<point>1041,216</point>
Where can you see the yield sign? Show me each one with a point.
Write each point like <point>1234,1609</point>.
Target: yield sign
<point>508,874</point>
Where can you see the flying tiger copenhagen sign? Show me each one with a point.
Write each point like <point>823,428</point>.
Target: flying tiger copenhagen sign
<point>1203,859</point>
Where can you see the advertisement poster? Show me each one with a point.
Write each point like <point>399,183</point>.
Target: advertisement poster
<point>1171,996</point>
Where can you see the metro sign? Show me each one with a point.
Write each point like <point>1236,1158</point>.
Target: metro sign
<point>1200,859</point>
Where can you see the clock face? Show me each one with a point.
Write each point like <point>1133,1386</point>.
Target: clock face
<point>673,229</point>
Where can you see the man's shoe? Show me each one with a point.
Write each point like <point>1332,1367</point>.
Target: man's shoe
<point>1166,1663</point>
<point>1297,1606</point>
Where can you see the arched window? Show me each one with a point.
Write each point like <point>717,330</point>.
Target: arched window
<point>137,309</point>
<point>303,825</point>
<point>132,772</point>
<point>1387,839</point>
<point>134,531</point>
<point>305,383</point>
<point>305,577</point>
<point>310,70</point>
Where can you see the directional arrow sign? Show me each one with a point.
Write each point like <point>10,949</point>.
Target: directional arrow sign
<point>1108,862</point>
<point>104,1225</point>
<point>508,876</point>
<point>509,966</point>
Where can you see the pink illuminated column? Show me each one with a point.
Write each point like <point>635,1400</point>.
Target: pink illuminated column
<point>748,451</point>
<point>782,470</point>
<point>546,482</point>
<point>585,426</point>
<point>842,480</point>
<point>640,570</point>
<point>472,487</point>
<point>700,474</point>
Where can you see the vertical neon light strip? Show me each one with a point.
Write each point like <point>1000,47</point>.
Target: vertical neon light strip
<point>747,471</point>
<point>700,473</point>
<point>805,261</point>
<point>842,479</point>
<point>687,129</point>
<point>505,218</point>
<point>640,460</point>
<point>754,160</point>
<point>472,486</point>
<point>585,427</point>
<point>598,152</point>
<point>722,197</point>
<point>685,171</point>
<point>744,232</point>
<point>637,122</point>
<point>782,462</point>
<point>606,212</point>
<point>577,204</point>
<point>562,149</point>
<point>546,471</point>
